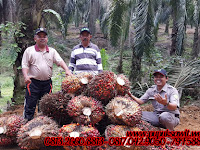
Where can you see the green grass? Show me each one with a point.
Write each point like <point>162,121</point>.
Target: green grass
<point>57,78</point>
<point>7,86</point>
<point>6,83</point>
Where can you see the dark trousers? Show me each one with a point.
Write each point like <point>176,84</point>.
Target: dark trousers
<point>34,91</point>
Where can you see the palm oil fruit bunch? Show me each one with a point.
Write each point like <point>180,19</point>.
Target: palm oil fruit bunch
<point>55,105</point>
<point>4,139</point>
<point>71,84</point>
<point>33,134</point>
<point>120,131</point>
<point>85,110</point>
<point>13,124</point>
<point>77,130</point>
<point>9,126</point>
<point>122,110</point>
<point>145,126</point>
<point>84,78</point>
<point>102,87</point>
<point>122,85</point>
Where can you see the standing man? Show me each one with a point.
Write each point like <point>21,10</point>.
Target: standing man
<point>165,100</point>
<point>37,65</point>
<point>85,57</point>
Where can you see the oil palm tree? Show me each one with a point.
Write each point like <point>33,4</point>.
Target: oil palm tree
<point>178,31</point>
<point>196,18</point>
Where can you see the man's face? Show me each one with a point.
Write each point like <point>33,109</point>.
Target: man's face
<point>160,79</point>
<point>85,37</point>
<point>41,39</point>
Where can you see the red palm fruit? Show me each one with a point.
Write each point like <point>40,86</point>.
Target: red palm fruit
<point>32,134</point>
<point>84,78</point>
<point>102,87</point>
<point>145,126</point>
<point>123,110</point>
<point>72,84</point>
<point>5,140</point>
<point>13,124</point>
<point>55,105</point>
<point>120,131</point>
<point>122,85</point>
<point>76,130</point>
<point>3,125</point>
<point>85,110</point>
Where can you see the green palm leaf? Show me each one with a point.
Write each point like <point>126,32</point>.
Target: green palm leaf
<point>118,9</point>
<point>143,27</point>
<point>59,19</point>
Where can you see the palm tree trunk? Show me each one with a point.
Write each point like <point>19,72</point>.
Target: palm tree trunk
<point>167,26</point>
<point>1,20</point>
<point>120,65</point>
<point>92,16</point>
<point>27,8</point>
<point>135,73</point>
<point>196,45</point>
<point>174,35</point>
<point>9,10</point>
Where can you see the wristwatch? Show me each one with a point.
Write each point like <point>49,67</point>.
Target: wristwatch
<point>167,104</point>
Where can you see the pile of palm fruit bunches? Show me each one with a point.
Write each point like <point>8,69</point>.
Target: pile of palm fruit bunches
<point>87,106</point>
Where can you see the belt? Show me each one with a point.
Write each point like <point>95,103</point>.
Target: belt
<point>40,80</point>
<point>177,115</point>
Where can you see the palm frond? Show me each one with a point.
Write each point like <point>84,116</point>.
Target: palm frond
<point>104,23</point>
<point>59,19</point>
<point>186,75</point>
<point>143,27</point>
<point>117,10</point>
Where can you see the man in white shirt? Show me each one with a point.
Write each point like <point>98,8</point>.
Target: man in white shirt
<point>37,65</point>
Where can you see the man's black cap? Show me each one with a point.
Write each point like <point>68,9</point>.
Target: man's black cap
<point>40,30</point>
<point>84,29</point>
<point>161,71</point>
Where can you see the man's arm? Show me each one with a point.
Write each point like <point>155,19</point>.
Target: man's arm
<point>26,77</point>
<point>171,106</point>
<point>139,101</point>
<point>25,67</point>
<point>98,60</point>
<point>72,62</point>
<point>64,66</point>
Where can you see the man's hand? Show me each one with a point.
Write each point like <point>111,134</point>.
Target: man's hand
<point>139,101</point>
<point>161,100</point>
<point>68,73</point>
<point>27,79</point>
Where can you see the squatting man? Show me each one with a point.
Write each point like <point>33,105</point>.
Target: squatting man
<point>165,100</point>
